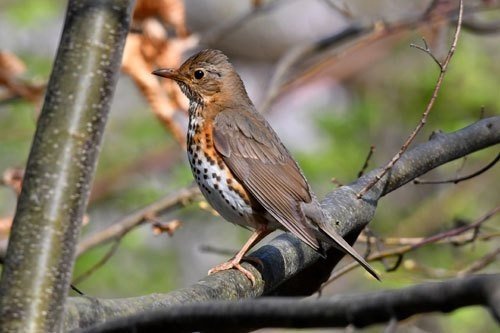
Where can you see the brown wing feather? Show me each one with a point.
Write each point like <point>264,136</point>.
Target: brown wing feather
<point>256,156</point>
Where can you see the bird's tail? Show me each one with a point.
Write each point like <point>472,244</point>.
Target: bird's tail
<point>313,212</point>
<point>348,249</point>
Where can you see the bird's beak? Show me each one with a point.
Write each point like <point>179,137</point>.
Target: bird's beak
<point>169,73</point>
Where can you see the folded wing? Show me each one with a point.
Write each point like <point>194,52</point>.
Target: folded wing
<point>258,159</point>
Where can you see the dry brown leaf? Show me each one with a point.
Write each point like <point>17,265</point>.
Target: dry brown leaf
<point>139,69</point>
<point>168,227</point>
<point>10,63</point>
<point>13,178</point>
<point>5,225</point>
<point>152,49</point>
<point>10,69</point>
<point>170,12</point>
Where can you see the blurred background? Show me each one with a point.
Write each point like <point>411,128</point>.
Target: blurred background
<point>329,99</point>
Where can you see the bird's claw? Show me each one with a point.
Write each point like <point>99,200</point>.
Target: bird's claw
<point>230,265</point>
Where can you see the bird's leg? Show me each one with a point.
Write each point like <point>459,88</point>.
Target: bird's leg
<point>261,232</point>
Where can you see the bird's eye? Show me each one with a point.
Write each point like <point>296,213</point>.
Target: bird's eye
<point>198,74</point>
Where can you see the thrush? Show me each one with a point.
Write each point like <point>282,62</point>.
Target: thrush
<point>240,164</point>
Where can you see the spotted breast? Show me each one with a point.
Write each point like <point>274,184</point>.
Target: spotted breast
<point>217,183</point>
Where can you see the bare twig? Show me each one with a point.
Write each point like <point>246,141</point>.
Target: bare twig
<point>457,231</point>
<point>370,239</point>
<point>378,245</point>
<point>126,224</point>
<point>292,57</point>
<point>367,160</point>
<point>423,120</point>
<point>481,263</point>
<point>449,236</point>
<point>462,166</point>
<point>80,278</point>
<point>367,36</point>
<point>400,241</point>
<point>161,227</point>
<point>226,28</point>
<point>161,157</point>
<point>427,50</point>
<point>76,290</point>
<point>459,179</point>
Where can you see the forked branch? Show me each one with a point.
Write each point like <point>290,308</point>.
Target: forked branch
<point>443,68</point>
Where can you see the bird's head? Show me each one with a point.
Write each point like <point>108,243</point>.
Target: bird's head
<point>205,77</point>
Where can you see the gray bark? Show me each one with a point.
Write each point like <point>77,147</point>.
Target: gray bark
<point>337,311</point>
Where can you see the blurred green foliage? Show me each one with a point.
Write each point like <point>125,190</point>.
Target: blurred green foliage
<point>133,270</point>
<point>16,137</point>
<point>29,12</point>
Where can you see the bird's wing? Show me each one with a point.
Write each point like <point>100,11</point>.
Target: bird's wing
<point>256,156</point>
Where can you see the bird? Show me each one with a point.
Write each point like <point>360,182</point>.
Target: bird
<point>241,166</point>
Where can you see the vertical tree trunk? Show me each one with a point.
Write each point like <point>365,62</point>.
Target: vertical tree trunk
<point>40,256</point>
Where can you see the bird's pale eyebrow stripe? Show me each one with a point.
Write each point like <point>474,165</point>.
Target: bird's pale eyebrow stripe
<point>214,72</point>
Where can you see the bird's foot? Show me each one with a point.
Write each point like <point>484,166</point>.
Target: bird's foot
<point>233,263</point>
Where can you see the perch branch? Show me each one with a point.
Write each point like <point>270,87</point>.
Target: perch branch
<point>337,311</point>
<point>289,266</point>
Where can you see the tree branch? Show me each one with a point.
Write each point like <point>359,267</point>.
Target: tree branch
<point>457,180</point>
<point>129,222</point>
<point>337,311</point>
<point>289,266</point>
<point>454,236</point>
<point>423,120</point>
<point>55,191</point>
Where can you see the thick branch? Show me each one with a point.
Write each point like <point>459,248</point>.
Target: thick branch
<point>40,255</point>
<point>287,259</point>
<point>338,311</point>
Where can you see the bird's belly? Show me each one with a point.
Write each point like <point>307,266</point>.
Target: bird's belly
<point>215,187</point>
